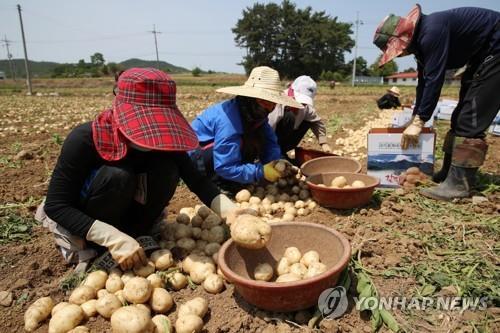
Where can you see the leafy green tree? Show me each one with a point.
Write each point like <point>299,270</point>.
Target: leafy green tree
<point>293,41</point>
<point>410,70</point>
<point>361,66</point>
<point>196,71</point>
<point>97,59</point>
<point>388,69</point>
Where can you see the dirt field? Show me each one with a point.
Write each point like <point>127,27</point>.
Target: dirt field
<point>408,245</point>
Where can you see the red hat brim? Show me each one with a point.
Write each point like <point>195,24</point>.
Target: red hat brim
<point>153,127</point>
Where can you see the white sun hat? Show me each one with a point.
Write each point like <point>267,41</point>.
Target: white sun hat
<point>304,90</point>
<point>394,90</point>
<point>264,83</point>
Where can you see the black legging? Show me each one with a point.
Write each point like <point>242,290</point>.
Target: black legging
<point>111,194</point>
<point>288,137</point>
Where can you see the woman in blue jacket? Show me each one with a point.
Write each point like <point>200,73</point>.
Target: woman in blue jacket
<point>236,142</point>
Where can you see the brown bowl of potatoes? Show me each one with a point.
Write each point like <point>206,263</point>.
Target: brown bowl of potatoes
<point>342,190</point>
<point>297,264</point>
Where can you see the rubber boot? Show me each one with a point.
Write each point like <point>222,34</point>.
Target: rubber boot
<point>440,176</point>
<point>468,155</point>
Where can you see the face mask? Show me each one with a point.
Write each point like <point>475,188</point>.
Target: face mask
<point>136,147</point>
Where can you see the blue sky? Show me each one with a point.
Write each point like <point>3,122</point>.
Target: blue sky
<point>194,32</point>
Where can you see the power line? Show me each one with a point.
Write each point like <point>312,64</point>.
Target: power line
<point>26,64</point>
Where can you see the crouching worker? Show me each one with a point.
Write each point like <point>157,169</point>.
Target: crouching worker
<point>116,174</point>
<point>291,124</point>
<point>390,100</point>
<point>237,145</point>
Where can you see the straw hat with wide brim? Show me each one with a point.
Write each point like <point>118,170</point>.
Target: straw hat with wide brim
<point>395,34</point>
<point>263,83</point>
<point>395,91</point>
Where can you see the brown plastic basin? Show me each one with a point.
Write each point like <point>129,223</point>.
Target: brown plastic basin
<point>330,164</point>
<point>341,198</point>
<point>238,264</point>
<point>303,155</point>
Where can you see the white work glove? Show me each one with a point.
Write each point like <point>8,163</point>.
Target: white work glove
<point>226,209</point>
<point>125,250</point>
<point>412,133</point>
<point>326,148</point>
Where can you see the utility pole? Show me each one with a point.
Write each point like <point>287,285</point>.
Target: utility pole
<point>9,58</point>
<point>358,22</point>
<point>156,46</point>
<point>26,64</point>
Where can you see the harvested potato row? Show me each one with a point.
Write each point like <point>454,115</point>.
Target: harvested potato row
<point>293,266</point>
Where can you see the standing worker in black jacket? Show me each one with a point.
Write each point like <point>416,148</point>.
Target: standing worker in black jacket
<point>449,40</point>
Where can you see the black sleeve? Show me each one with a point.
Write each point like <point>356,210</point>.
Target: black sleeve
<point>78,157</point>
<point>202,186</point>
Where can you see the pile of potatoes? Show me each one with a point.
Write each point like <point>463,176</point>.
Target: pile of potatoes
<point>129,298</point>
<point>340,182</point>
<point>283,200</point>
<point>412,177</point>
<point>293,266</point>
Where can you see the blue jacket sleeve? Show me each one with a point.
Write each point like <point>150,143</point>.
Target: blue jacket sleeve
<point>272,150</point>
<point>228,160</point>
<point>434,51</point>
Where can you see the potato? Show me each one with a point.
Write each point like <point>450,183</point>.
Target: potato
<point>273,190</point>
<point>347,186</point>
<point>162,324</point>
<point>283,266</point>
<point>188,324</point>
<point>162,259</point>
<point>205,234</point>
<point>309,257</point>
<point>144,307</point>
<point>177,280</point>
<point>37,313</point>
<point>289,277</point>
<point>127,276</point>
<point>413,171</point>
<point>183,218</point>
<point>58,307</point>
<point>115,272</point>
<point>280,166</point>
<point>200,244</point>
<point>298,269</point>
<point>288,217</point>
<point>302,211</point>
<point>269,199</point>
<point>291,211</point>
<point>145,270</point>
<point>137,290</point>
<point>182,231</point>
<point>156,281</point>
<point>312,205</point>
<point>295,189</point>
<point>299,204</point>
<point>200,271</point>
<point>80,329</point>
<point>198,306</point>
<point>294,198</point>
<point>189,261</point>
<point>211,221</point>
<point>217,234</point>
<point>89,308</point>
<point>196,221</point>
<point>304,194</point>
<point>250,232</point>
<point>102,293</point>
<point>107,305</point>
<point>82,294</point>
<point>66,319</point>
<point>315,268</point>
<point>131,319</point>
<point>121,298</point>
<point>263,272</point>
<point>96,280</point>
<point>212,248</point>
<point>160,300</point>
<point>284,197</point>
<point>282,183</point>
<point>244,205</point>
<point>114,283</point>
<point>243,196</point>
<point>204,212</point>
<point>196,232</point>
<point>339,182</point>
<point>292,254</point>
<point>187,244</point>
<point>358,184</point>
<point>213,283</point>
<point>413,179</point>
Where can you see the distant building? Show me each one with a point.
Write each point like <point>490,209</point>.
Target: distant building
<point>368,80</point>
<point>2,76</point>
<point>402,79</point>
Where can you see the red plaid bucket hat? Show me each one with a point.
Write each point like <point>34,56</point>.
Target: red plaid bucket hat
<point>395,34</point>
<point>145,113</point>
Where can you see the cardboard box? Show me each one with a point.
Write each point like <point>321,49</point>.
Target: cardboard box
<point>386,159</point>
<point>401,118</point>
